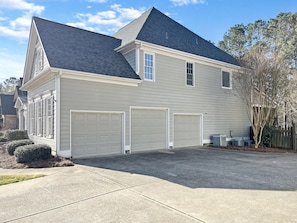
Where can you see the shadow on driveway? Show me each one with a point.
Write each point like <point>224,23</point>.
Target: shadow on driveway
<point>208,168</point>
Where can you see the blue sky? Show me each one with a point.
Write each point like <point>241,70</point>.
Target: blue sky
<point>208,18</point>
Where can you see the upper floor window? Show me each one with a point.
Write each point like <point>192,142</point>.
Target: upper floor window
<point>149,67</point>
<point>190,74</point>
<point>38,61</point>
<point>226,80</point>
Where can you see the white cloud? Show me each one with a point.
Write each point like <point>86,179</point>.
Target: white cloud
<point>24,21</point>
<point>21,5</point>
<point>18,28</point>
<point>107,21</point>
<point>187,2</point>
<point>16,34</point>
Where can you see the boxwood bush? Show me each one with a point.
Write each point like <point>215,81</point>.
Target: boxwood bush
<point>11,146</point>
<point>29,153</point>
<point>11,135</point>
<point>3,139</point>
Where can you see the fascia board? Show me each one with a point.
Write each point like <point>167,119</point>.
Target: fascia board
<point>84,76</point>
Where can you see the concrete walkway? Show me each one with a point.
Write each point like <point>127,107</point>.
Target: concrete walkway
<point>85,193</point>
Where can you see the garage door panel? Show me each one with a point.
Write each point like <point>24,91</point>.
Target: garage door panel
<point>95,134</point>
<point>148,129</point>
<point>187,130</point>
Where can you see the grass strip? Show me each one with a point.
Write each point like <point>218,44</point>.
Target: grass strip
<point>8,179</point>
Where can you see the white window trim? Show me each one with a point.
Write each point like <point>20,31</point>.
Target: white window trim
<point>186,74</point>
<point>49,120</point>
<point>32,118</point>
<point>154,67</point>
<point>39,118</point>
<point>230,79</point>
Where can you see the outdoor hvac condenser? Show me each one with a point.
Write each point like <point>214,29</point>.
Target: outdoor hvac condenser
<point>219,140</point>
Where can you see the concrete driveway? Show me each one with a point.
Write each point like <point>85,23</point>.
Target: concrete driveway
<point>184,185</point>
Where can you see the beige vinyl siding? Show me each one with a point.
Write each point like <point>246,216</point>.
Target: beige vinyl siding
<point>221,110</point>
<point>130,57</point>
<point>92,96</point>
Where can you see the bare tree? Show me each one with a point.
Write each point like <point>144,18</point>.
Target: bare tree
<point>263,84</point>
<point>8,85</point>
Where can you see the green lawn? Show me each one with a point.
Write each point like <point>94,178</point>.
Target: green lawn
<point>8,179</point>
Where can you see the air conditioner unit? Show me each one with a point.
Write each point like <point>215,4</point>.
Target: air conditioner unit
<point>219,140</point>
<point>238,142</point>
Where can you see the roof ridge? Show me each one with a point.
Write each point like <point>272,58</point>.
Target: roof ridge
<point>135,20</point>
<point>73,27</point>
<point>130,31</point>
<point>72,48</point>
<point>174,35</point>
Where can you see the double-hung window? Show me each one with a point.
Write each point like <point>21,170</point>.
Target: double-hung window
<point>39,118</point>
<point>149,70</point>
<point>49,117</point>
<point>190,74</point>
<point>40,59</point>
<point>226,80</point>
<point>32,118</point>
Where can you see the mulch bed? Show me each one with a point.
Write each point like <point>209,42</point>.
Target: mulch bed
<point>253,149</point>
<point>8,162</point>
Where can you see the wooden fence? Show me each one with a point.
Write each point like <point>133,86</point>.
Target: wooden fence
<point>284,138</point>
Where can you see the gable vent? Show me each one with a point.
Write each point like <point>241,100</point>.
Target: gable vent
<point>196,41</point>
<point>166,35</point>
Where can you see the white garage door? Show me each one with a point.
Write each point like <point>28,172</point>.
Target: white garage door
<point>148,129</point>
<point>187,130</point>
<point>95,134</point>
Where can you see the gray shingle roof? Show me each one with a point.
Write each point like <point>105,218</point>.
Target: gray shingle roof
<point>76,49</point>
<point>21,94</point>
<point>7,105</point>
<point>157,28</point>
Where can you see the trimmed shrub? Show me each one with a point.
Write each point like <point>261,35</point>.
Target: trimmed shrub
<point>11,135</point>
<point>11,146</point>
<point>29,153</point>
<point>3,139</point>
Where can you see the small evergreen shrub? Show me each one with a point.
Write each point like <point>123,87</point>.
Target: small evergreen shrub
<point>11,146</point>
<point>11,135</point>
<point>3,139</point>
<point>266,136</point>
<point>29,153</point>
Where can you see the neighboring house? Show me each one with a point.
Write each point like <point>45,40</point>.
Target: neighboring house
<point>153,85</point>
<point>7,112</point>
<point>20,103</point>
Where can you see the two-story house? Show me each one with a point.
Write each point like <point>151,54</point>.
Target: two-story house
<point>153,85</point>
